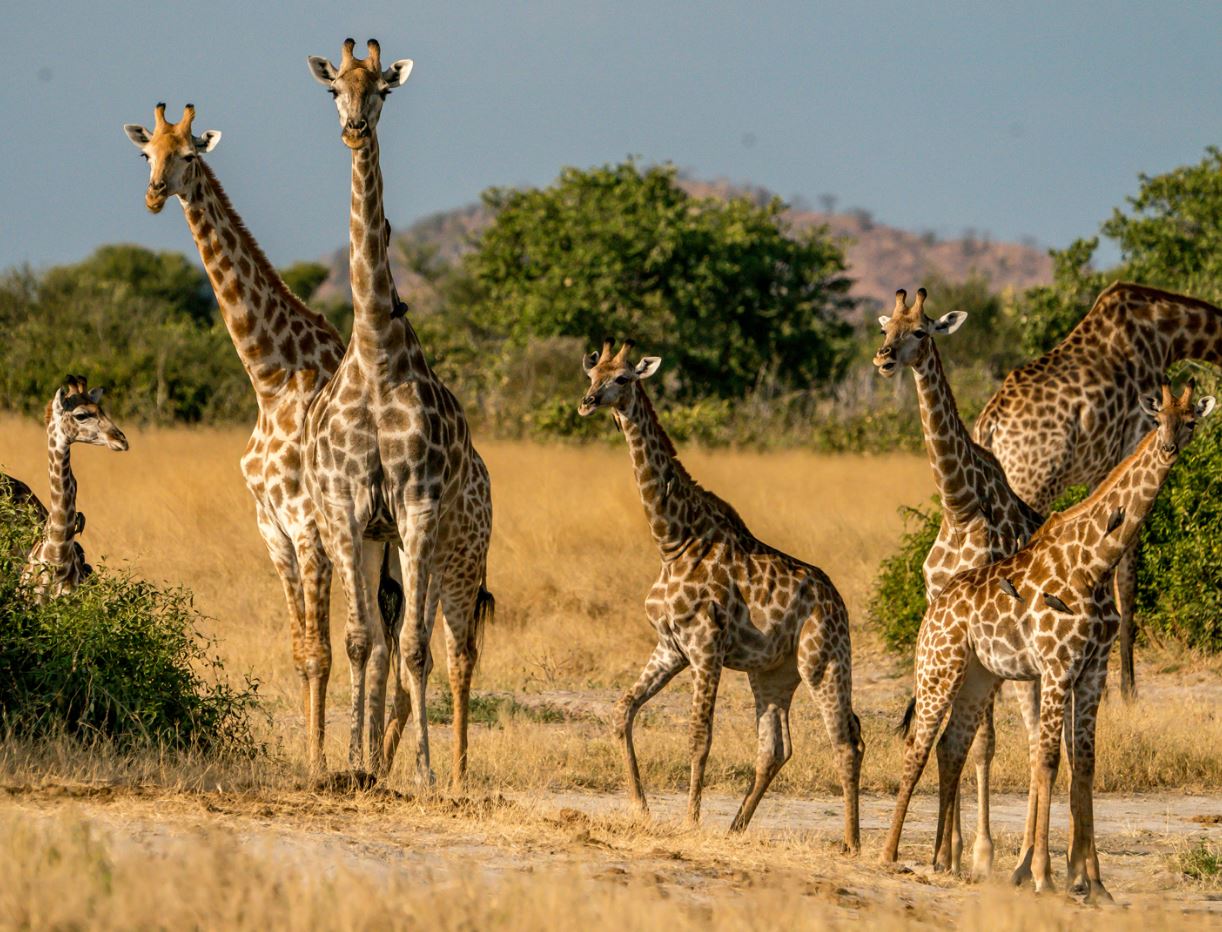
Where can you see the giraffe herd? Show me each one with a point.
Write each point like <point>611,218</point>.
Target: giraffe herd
<point>362,461</point>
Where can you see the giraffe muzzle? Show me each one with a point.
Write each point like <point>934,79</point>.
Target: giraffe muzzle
<point>884,359</point>
<point>587,406</point>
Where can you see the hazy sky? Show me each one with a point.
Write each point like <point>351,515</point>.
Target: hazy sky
<point>931,115</point>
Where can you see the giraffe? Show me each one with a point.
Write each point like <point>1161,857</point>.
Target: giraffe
<point>289,352</point>
<point>1070,416</point>
<point>56,565</point>
<point>982,518</point>
<point>389,456</point>
<point>725,599</point>
<point>1039,615</point>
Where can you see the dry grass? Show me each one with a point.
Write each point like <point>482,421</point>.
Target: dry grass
<point>570,565</point>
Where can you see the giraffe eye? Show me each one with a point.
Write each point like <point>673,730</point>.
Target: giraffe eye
<point>384,93</point>
<point>920,334</point>
<point>145,156</point>
<point>82,415</point>
<point>188,158</point>
<point>621,380</point>
<point>333,92</point>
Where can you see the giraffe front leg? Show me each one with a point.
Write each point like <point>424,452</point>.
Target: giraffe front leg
<point>1084,875</point>
<point>377,658</point>
<point>1028,695</point>
<point>464,603</point>
<point>983,748</point>
<point>1053,695</point>
<point>664,663</point>
<point>315,574</point>
<point>418,536</point>
<point>705,678</point>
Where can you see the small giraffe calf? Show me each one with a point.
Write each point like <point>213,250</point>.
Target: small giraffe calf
<point>56,565</point>
<point>1040,615</point>
<point>725,599</point>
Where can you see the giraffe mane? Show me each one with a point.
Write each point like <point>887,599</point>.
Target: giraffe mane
<point>259,257</point>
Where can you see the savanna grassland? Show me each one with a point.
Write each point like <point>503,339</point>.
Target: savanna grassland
<point>544,837</point>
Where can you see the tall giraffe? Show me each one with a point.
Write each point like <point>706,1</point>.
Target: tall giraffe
<point>1039,615</point>
<point>289,352</point>
<point>1070,416</point>
<point>390,456</point>
<point>725,599</point>
<point>56,565</point>
<point>982,518</point>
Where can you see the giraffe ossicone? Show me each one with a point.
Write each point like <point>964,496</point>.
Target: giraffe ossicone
<point>723,599</point>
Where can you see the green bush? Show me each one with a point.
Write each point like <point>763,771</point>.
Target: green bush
<point>1179,575</point>
<point>897,600</point>
<point>118,658</point>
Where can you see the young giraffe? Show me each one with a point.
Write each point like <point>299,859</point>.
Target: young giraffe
<point>724,599</point>
<point>982,519</point>
<point>289,352</point>
<point>1037,615</point>
<point>1074,413</point>
<point>56,565</point>
<point>390,457</point>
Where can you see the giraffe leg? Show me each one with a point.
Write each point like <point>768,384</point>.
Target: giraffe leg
<point>936,687</point>
<point>377,656</point>
<point>1053,695</point>
<point>1125,586</point>
<point>983,749</point>
<point>773,692</point>
<point>830,681</point>
<point>705,679</point>
<point>1028,695</point>
<point>972,701</point>
<point>663,664</point>
<point>1083,874</point>
<point>311,643</point>
<point>401,707</point>
<point>461,593</point>
<point>357,634</point>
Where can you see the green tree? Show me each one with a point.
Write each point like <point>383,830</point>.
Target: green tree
<point>730,296</point>
<point>303,278</point>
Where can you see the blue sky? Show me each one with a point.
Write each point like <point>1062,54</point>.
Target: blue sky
<point>938,116</point>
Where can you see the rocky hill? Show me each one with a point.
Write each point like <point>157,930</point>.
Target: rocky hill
<point>881,257</point>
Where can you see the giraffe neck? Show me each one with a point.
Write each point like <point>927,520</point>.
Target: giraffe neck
<point>274,333</point>
<point>1130,488</point>
<point>60,528</point>
<point>1188,329</point>
<point>675,506</point>
<point>378,341</point>
<point>947,441</point>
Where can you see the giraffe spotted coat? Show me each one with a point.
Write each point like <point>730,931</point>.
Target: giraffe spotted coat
<point>724,599</point>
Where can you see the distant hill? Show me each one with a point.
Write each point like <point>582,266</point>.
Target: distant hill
<point>881,258</point>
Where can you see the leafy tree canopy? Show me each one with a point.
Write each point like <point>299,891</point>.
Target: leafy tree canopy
<point>722,290</point>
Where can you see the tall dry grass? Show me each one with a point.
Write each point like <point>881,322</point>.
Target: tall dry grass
<point>571,562</point>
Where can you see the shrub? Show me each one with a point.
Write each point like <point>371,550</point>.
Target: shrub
<point>118,658</point>
<point>897,600</point>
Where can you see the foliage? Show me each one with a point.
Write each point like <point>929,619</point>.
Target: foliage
<point>133,321</point>
<point>1179,574</point>
<point>721,290</point>
<point>118,658</point>
<point>897,599</point>
<point>1201,861</point>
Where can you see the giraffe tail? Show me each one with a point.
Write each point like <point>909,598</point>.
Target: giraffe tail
<point>905,724</point>
<point>390,600</point>
<point>485,612</point>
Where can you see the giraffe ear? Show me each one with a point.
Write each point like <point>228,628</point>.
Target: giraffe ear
<point>208,141</point>
<point>647,366</point>
<point>882,321</point>
<point>323,71</point>
<point>397,73</point>
<point>1205,406</point>
<point>589,361</point>
<point>949,323</point>
<point>137,134</point>
<point>1150,404</point>
<point>57,403</point>
<point>95,394</point>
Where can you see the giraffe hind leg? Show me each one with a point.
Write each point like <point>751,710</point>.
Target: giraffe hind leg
<point>773,695</point>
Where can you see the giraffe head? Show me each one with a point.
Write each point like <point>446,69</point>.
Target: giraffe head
<point>1176,418</point>
<point>170,149</point>
<point>75,415</point>
<point>907,331</point>
<point>359,85</point>
<point>611,376</point>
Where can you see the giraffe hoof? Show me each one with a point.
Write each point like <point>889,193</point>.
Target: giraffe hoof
<point>1097,895</point>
